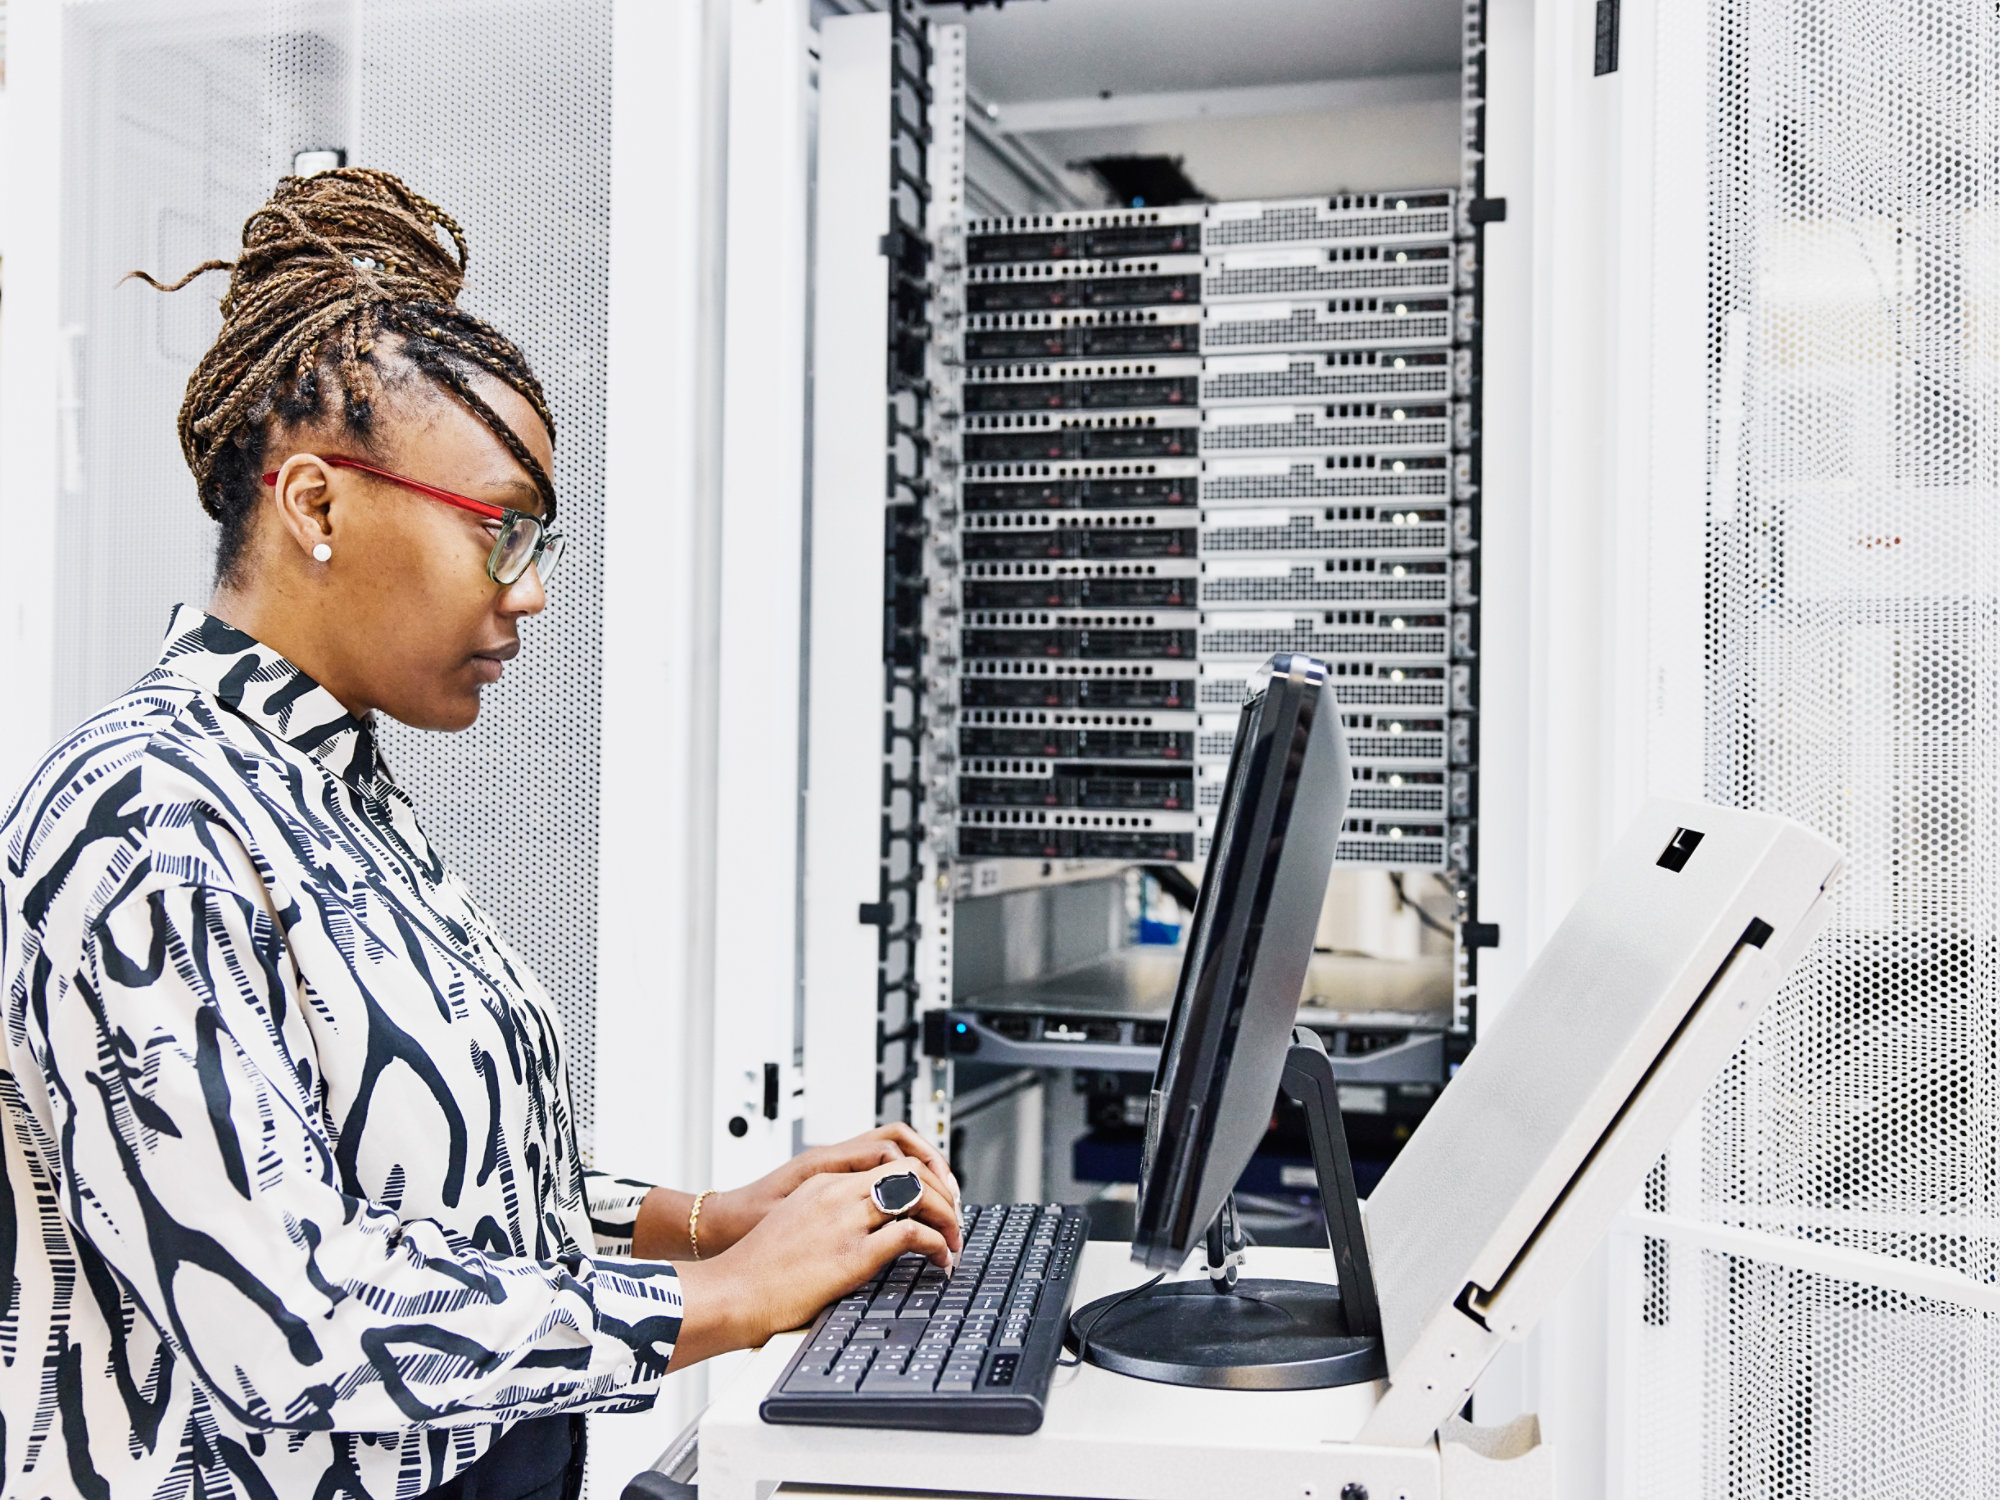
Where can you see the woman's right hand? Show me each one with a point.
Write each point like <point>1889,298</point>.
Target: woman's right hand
<point>818,1243</point>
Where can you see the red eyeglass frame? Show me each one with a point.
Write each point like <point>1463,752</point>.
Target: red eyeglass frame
<point>548,549</point>
<point>484,508</point>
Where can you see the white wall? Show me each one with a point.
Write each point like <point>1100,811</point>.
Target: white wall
<point>30,183</point>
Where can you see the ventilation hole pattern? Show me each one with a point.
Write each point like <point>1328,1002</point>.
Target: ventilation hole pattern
<point>1320,486</point>
<point>1267,280</point>
<point>1303,432</point>
<point>1307,325</point>
<point>1309,224</point>
<point>1242,590</point>
<point>1852,639</point>
<point>1302,380</point>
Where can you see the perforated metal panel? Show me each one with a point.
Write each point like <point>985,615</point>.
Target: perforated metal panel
<point>179,117</point>
<point>1853,555</point>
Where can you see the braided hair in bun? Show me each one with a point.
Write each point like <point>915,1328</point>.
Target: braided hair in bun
<point>330,264</point>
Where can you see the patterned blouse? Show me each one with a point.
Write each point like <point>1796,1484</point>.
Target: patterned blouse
<point>290,1198</point>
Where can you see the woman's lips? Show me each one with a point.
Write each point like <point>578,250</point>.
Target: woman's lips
<point>488,665</point>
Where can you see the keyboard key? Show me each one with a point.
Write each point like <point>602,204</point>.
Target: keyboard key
<point>805,1382</point>
<point>885,1381</point>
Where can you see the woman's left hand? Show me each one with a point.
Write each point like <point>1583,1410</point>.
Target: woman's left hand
<point>735,1212</point>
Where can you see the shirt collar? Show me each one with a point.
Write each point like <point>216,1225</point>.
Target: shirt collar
<point>256,682</point>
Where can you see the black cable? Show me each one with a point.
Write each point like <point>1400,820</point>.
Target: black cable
<point>1083,1334</point>
<point>1171,880</point>
<point>1396,880</point>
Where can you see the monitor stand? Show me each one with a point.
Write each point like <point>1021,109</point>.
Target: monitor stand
<point>1258,1335</point>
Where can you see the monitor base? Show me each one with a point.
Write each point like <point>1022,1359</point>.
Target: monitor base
<point>1260,1336</point>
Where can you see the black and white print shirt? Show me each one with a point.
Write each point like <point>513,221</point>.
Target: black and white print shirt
<point>292,1201</point>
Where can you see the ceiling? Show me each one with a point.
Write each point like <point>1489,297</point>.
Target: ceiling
<point>1257,98</point>
<point>1063,49</point>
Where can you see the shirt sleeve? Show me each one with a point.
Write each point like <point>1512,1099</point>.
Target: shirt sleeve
<point>614,1210</point>
<point>195,1162</point>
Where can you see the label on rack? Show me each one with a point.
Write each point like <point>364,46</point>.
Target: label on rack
<point>1248,567</point>
<point>1249,312</point>
<point>1225,468</point>
<point>1245,416</point>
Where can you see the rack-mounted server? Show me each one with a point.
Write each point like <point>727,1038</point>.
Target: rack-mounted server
<point>1187,438</point>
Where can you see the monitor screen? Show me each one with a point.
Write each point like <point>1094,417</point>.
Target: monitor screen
<point>1250,942</point>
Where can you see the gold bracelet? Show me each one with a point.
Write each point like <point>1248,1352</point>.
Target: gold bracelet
<point>694,1222</point>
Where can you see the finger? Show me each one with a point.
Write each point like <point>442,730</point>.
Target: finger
<point>910,1143</point>
<point>908,1235</point>
<point>941,1214</point>
<point>857,1155</point>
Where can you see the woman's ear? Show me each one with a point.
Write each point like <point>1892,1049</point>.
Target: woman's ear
<point>303,493</point>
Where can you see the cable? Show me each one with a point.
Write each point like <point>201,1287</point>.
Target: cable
<point>1083,1335</point>
<point>1396,880</point>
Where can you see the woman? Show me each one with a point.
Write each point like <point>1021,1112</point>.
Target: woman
<point>293,1200</point>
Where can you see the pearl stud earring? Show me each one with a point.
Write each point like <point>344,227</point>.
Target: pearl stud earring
<point>322,553</point>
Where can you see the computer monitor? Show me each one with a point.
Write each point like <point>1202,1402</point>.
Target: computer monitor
<point>1248,949</point>
<point>1230,1045</point>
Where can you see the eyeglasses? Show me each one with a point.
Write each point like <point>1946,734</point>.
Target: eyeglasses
<point>522,540</point>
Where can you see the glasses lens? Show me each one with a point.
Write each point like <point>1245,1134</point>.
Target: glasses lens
<point>552,551</point>
<point>515,549</point>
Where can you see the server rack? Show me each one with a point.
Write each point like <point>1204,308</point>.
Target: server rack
<point>1133,452</point>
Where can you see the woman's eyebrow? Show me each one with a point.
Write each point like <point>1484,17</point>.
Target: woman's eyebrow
<point>528,497</point>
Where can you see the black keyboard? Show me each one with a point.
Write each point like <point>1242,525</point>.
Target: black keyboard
<point>968,1352</point>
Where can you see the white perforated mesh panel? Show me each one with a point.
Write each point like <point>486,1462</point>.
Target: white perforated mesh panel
<point>1853,640</point>
<point>178,119</point>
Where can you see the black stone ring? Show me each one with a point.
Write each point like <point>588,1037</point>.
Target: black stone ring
<point>897,1194</point>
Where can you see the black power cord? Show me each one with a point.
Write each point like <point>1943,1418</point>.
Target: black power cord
<point>1396,880</point>
<point>1084,1333</point>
